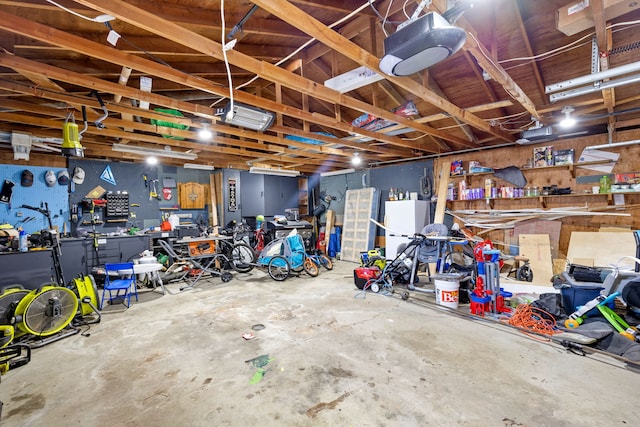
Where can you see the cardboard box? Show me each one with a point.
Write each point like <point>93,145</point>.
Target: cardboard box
<point>456,168</point>
<point>578,15</point>
<point>627,178</point>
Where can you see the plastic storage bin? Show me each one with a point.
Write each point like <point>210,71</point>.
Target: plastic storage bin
<point>576,296</point>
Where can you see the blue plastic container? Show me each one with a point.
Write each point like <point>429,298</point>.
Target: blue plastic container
<point>23,241</point>
<point>577,296</point>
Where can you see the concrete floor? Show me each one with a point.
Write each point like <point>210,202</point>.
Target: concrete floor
<point>328,359</point>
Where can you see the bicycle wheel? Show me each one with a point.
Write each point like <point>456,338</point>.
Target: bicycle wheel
<point>224,248</point>
<point>242,258</point>
<point>325,261</point>
<point>310,267</point>
<point>524,273</point>
<point>278,268</point>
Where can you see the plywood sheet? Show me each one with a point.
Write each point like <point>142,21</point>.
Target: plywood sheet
<point>559,265</point>
<point>603,247</point>
<point>537,248</point>
<point>615,228</point>
<point>213,211</point>
<point>217,178</point>
<point>552,228</point>
<point>330,219</point>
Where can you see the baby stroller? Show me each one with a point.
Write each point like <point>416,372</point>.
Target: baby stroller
<point>283,256</point>
<point>429,246</point>
<point>400,270</point>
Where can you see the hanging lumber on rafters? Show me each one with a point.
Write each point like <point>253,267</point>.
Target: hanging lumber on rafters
<point>503,219</point>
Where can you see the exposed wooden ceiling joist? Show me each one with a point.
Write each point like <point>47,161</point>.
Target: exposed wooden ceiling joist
<point>480,97</point>
<point>270,72</point>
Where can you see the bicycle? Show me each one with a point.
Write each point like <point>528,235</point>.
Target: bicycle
<point>237,246</point>
<point>321,259</point>
<point>241,256</point>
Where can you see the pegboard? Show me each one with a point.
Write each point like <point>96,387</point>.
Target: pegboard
<point>36,195</point>
<point>143,210</point>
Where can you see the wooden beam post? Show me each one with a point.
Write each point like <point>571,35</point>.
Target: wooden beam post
<point>443,182</point>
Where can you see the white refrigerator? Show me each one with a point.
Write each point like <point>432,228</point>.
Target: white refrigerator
<point>403,218</point>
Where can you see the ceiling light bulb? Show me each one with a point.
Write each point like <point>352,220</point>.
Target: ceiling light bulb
<point>152,160</point>
<point>205,133</point>
<point>568,121</point>
<point>356,159</point>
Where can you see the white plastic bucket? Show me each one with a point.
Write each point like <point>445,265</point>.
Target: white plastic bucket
<point>447,292</point>
<point>174,220</point>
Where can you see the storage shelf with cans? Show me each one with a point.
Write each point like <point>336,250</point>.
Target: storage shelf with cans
<point>542,200</point>
<point>482,186</point>
<point>570,167</point>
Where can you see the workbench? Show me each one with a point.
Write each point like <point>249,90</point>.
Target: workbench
<point>79,256</point>
<point>29,269</point>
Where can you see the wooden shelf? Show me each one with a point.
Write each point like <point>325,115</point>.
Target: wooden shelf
<point>571,168</point>
<point>91,223</point>
<point>542,200</point>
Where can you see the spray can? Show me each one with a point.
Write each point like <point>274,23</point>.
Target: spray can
<point>23,241</point>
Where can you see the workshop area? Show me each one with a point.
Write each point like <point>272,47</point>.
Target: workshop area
<point>283,212</point>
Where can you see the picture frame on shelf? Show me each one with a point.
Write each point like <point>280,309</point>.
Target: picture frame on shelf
<point>563,157</point>
<point>543,156</point>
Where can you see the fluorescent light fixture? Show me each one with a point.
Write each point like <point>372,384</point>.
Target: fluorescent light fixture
<point>247,116</point>
<point>270,171</point>
<point>21,143</point>
<point>198,166</point>
<point>594,88</point>
<point>354,79</point>
<point>613,145</point>
<point>535,134</point>
<point>593,77</point>
<point>338,172</point>
<point>143,151</point>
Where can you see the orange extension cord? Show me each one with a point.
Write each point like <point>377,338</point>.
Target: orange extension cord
<point>533,319</point>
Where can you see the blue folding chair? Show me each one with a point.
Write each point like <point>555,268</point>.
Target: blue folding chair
<point>119,277</point>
